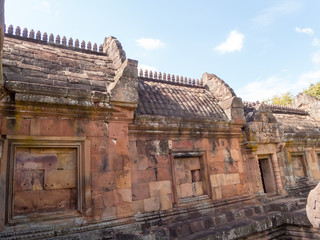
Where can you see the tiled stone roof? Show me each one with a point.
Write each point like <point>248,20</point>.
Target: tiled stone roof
<point>34,66</point>
<point>177,100</point>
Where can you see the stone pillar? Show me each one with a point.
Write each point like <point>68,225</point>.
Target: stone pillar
<point>277,174</point>
<point>1,42</point>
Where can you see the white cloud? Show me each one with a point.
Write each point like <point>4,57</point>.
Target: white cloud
<point>316,57</point>
<point>150,43</point>
<point>316,42</point>
<point>305,30</point>
<point>263,89</point>
<point>234,42</point>
<point>147,67</point>
<point>42,5</point>
<point>269,15</point>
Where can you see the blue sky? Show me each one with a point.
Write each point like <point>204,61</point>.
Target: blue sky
<point>260,48</point>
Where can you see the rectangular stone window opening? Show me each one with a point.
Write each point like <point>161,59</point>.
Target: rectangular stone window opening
<point>190,180</point>
<point>299,167</point>
<point>267,175</point>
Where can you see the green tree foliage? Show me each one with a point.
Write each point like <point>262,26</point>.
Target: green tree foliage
<point>313,90</point>
<point>284,99</point>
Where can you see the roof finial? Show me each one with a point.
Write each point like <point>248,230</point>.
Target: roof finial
<point>89,45</point>
<point>25,32</point>
<point>141,72</point>
<point>83,44</point>
<point>76,43</point>
<point>100,48</point>
<point>58,39</point>
<point>45,37</point>
<point>51,38</point>
<point>95,47</point>
<point>64,41</point>
<point>70,43</point>
<point>31,34</point>
<point>10,30</point>
<point>18,31</point>
<point>38,35</point>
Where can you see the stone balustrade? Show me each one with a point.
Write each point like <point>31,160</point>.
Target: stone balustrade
<point>57,40</point>
<point>169,78</point>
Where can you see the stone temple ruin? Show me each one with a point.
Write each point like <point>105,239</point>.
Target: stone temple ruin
<point>92,149</point>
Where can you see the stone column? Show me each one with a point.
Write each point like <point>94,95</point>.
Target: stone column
<point>277,174</point>
<point>1,42</point>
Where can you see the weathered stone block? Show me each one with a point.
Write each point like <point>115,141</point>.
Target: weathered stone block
<point>58,179</point>
<point>192,163</point>
<point>99,144</point>
<point>184,144</point>
<point>124,210</point>
<point>140,191</point>
<point>92,128</point>
<point>39,161</point>
<point>143,176</point>
<point>228,191</point>
<point>67,161</point>
<point>151,204</point>
<point>163,174</point>
<point>185,190</point>
<point>122,196</point>
<point>123,179</point>
<point>183,176</point>
<point>159,188</point>
<point>197,188</point>
<point>109,212</point>
<point>108,198</point>
<point>138,206</point>
<point>104,180</point>
<point>140,163</point>
<point>29,180</point>
<point>217,193</point>
<point>165,202</point>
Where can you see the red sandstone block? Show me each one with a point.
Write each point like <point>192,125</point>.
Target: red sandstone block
<point>106,162</point>
<point>123,179</point>
<point>124,210</point>
<point>92,128</point>
<point>97,202</point>
<point>57,127</point>
<point>185,190</point>
<point>228,190</point>
<point>137,206</point>
<point>58,179</point>
<point>122,146</point>
<point>140,163</point>
<point>103,180</point>
<point>28,180</point>
<point>242,189</point>
<point>99,144</point>
<point>117,130</point>
<point>39,161</point>
<point>140,191</point>
<point>184,144</point>
<point>151,204</point>
<point>122,196</point>
<point>15,125</point>
<point>183,176</point>
<point>143,176</point>
<point>133,148</point>
<point>108,198</point>
<point>109,212</point>
<point>162,161</point>
<point>232,167</point>
<point>217,167</point>
<point>26,202</point>
<point>203,144</point>
<point>243,178</point>
<point>192,163</point>
<point>67,161</point>
<point>164,174</point>
<point>141,147</point>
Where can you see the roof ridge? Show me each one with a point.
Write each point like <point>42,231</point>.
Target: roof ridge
<point>155,76</point>
<point>58,41</point>
<point>277,108</point>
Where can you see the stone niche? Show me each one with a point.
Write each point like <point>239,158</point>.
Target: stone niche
<point>45,175</point>
<point>45,179</point>
<point>190,181</point>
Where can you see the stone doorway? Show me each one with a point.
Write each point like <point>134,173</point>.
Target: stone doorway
<point>267,175</point>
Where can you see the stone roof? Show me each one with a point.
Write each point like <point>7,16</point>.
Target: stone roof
<point>298,125</point>
<point>186,99</point>
<point>36,66</point>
